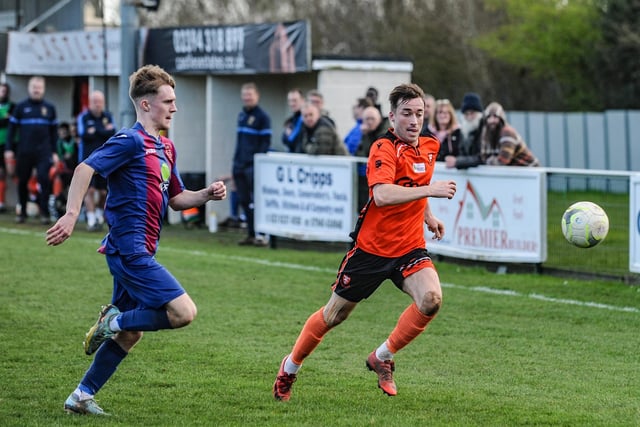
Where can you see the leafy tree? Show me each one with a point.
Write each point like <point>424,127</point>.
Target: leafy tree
<point>542,54</point>
<point>619,53</point>
<point>552,39</point>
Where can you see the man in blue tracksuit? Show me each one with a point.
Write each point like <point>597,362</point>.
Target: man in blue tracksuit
<point>36,123</point>
<point>291,136</point>
<point>254,136</point>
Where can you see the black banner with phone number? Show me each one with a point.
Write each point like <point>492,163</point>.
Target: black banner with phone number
<point>233,49</point>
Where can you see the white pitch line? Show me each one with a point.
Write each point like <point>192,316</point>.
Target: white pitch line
<point>508,292</point>
<point>250,260</point>
<point>292,266</point>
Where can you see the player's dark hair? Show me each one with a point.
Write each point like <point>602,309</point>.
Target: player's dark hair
<point>403,93</point>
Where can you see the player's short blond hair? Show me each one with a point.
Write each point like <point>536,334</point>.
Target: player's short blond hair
<point>147,80</point>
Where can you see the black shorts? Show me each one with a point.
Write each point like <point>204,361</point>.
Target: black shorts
<point>361,273</point>
<point>98,182</point>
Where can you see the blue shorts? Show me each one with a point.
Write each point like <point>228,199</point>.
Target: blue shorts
<point>139,281</point>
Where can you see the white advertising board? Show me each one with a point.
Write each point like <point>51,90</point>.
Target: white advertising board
<point>68,53</point>
<point>305,197</point>
<point>634,223</point>
<point>498,214</point>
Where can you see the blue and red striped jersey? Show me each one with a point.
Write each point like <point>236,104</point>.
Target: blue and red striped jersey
<point>142,177</point>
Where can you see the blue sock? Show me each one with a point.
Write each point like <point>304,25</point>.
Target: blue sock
<point>105,363</point>
<point>144,320</point>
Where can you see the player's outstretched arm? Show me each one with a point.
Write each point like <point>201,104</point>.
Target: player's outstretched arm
<point>442,189</point>
<point>189,199</point>
<point>63,228</point>
<point>393,194</point>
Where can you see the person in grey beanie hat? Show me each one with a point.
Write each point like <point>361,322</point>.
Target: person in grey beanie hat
<point>500,143</point>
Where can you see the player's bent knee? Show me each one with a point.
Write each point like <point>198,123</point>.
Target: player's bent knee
<point>334,319</point>
<point>184,317</point>
<point>430,304</point>
<point>128,339</point>
<point>181,311</point>
<point>334,314</point>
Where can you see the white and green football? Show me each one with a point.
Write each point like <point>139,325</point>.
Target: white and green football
<point>585,224</point>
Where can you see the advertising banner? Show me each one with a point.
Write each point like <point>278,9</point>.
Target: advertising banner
<point>498,214</point>
<point>237,49</point>
<point>305,197</point>
<point>67,53</point>
<point>634,223</point>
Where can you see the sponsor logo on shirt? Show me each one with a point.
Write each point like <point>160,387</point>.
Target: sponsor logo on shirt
<point>419,168</point>
<point>168,153</point>
<point>166,173</point>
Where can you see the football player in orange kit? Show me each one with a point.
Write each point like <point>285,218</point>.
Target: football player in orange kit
<point>389,243</point>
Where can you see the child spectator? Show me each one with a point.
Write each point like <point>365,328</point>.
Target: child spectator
<point>62,171</point>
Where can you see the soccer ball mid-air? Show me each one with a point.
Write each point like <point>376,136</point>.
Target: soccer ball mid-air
<point>585,224</point>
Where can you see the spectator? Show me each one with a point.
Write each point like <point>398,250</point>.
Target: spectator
<point>372,94</point>
<point>62,171</point>
<point>501,144</point>
<point>293,124</point>
<point>6,109</point>
<point>316,98</point>
<point>444,124</point>
<point>140,165</point>
<point>318,136</point>
<point>35,122</point>
<point>253,136</point>
<point>373,127</point>
<point>471,128</point>
<point>429,110</point>
<point>352,140</point>
<point>389,244</point>
<point>95,126</point>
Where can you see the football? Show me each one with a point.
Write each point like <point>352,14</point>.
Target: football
<point>585,224</point>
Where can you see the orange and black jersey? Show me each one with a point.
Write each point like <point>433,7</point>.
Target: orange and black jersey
<point>392,231</point>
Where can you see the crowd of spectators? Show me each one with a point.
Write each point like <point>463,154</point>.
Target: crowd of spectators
<point>40,153</point>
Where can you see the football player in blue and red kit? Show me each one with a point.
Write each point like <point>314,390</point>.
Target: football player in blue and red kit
<point>143,180</point>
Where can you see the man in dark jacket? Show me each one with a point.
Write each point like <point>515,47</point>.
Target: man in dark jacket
<point>35,122</point>
<point>318,135</point>
<point>95,127</point>
<point>471,126</point>
<point>253,136</point>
